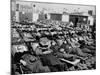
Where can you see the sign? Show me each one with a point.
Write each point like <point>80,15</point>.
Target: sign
<point>25,8</point>
<point>65,18</point>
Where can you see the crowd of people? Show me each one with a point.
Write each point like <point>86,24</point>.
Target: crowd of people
<point>52,46</point>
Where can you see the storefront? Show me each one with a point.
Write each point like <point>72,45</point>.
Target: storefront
<point>78,19</point>
<point>56,16</point>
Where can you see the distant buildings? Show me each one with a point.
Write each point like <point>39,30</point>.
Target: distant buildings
<point>24,12</point>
